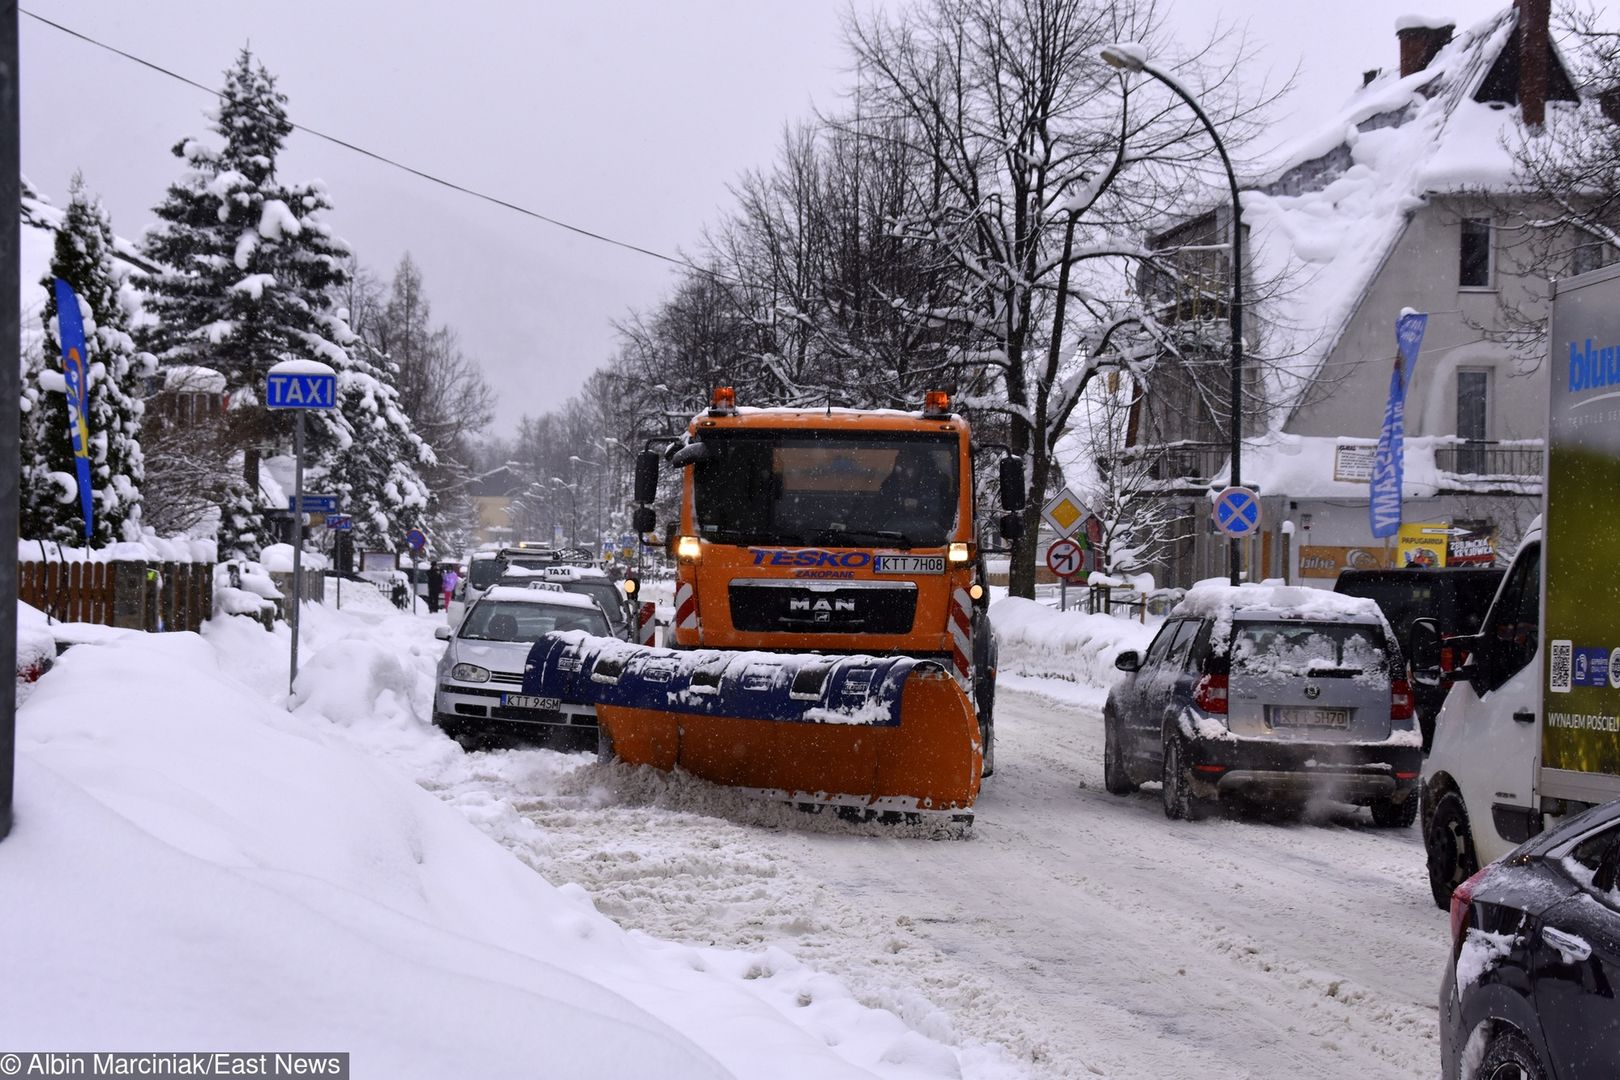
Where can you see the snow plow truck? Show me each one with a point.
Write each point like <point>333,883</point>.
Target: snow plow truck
<point>830,643</point>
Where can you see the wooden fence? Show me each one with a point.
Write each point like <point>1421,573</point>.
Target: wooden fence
<point>136,595</point>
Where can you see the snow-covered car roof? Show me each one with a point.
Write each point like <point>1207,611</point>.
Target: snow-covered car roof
<point>522,595</point>
<point>1221,600</point>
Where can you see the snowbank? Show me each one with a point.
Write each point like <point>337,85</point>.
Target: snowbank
<point>150,548</point>
<point>192,866</point>
<point>1038,641</point>
<point>278,559</point>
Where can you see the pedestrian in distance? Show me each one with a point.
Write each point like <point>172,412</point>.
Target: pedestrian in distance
<point>435,586</point>
<point>451,580</point>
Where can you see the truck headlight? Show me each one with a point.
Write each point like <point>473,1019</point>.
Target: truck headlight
<point>687,548</point>
<point>956,553</point>
<point>469,673</point>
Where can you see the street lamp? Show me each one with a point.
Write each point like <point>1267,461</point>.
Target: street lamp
<point>573,509</point>
<point>1131,57</point>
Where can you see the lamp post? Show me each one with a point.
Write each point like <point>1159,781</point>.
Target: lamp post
<point>573,509</point>
<point>1127,57</point>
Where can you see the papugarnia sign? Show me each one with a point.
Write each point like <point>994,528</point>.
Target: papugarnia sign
<point>1582,517</point>
<point>1384,504</point>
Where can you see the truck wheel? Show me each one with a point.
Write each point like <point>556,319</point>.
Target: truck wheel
<point>1389,814</point>
<point>1180,804</point>
<point>1115,779</point>
<point>1450,848</point>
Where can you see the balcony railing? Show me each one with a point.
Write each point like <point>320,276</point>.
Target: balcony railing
<point>1171,465</point>
<point>1484,459</point>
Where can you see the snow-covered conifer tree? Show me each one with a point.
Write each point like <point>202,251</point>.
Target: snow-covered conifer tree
<point>250,272</point>
<point>114,390</point>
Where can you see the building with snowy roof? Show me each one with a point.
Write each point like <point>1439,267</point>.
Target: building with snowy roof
<point>1406,200</point>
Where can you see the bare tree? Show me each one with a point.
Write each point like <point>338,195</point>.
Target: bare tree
<point>1047,175</point>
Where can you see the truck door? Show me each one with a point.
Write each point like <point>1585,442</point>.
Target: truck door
<point>1500,729</point>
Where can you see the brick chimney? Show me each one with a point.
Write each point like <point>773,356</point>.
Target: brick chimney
<point>1420,42</point>
<point>1535,53</point>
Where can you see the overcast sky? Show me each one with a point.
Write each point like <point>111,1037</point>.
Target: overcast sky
<point>625,117</point>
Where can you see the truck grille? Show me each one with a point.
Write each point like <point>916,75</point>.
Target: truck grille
<point>803,608</point>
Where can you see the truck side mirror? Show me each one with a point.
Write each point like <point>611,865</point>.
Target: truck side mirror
<point>1012,484</point>
<point>646,478</point>
<point>1011,526</point>
<point>1424,652</point>
<point>1476,668</point>
<point>643,519</point>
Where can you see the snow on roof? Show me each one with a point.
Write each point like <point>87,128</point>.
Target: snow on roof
<point>189,377</point>
<point>1325,218</point>
<point>538,596</point>
<point>1307,467</point>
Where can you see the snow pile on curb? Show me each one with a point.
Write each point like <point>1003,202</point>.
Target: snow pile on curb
<point>191,866</point>
<point>1037,641</point>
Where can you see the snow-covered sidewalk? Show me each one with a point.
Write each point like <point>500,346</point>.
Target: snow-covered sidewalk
<point>195,867</point>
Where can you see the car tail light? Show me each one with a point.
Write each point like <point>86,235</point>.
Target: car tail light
<point>1210,694</point>
<point>1400,700</point>
<point>1448,659</point>
<point>1462,900</point>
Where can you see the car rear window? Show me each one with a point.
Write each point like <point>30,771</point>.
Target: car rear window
<point>484,573</point>
<point>1326,650</point>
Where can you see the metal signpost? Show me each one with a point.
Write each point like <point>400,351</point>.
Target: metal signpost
<point>299,385</point>
<point>339,524</point>
<point>1065,558</point>
<point>1237,515</point>
<point>416,540</point>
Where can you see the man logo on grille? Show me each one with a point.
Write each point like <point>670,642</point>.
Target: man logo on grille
<point>1313,692</point>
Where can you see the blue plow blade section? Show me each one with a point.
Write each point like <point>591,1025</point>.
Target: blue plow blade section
<point>807,688</point>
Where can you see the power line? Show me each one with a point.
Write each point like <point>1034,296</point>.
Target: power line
<point>384,159</point>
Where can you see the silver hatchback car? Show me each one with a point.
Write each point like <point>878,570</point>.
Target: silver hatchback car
<point>1267,693</point>
<point>480,684</point>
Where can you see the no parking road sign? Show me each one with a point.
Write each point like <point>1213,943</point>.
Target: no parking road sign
<point>1237,512</point>
<point>1065,559</point>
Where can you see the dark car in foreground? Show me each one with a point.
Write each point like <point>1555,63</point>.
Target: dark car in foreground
<point>1531,988</point>
<point>1448,602</point>
<point>1268,694</point>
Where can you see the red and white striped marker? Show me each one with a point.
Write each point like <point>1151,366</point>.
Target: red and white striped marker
<point>647,625</point>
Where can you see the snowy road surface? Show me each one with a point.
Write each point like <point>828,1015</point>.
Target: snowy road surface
<point>1084,932</point>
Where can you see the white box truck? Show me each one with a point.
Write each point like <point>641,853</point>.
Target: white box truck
<point>1531,730</point>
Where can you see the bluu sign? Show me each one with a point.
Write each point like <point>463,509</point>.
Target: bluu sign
<point>298,390</point>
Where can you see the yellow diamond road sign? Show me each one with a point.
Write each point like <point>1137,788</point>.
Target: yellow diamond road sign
<point>1064,513</point>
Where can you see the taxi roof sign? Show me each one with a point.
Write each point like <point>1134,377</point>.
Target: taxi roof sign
<point>1064,512</point>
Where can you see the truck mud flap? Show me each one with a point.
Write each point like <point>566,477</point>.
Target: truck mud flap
<point>882,736</point>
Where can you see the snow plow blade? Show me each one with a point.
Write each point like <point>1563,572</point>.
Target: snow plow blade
<point>880,736</point>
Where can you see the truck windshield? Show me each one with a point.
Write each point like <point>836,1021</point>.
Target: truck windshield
<point>827,489</point>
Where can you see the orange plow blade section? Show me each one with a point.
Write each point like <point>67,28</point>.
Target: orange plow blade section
<point>883,736</point>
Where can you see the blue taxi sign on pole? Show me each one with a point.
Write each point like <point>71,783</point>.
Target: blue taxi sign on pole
<point>339,521</point>
<point>1237,512</point>
<point>300,384</point>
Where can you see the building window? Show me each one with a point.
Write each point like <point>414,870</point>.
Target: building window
<point>1474,264</point>
<point>1588,256</point>
<point>1473,418</point>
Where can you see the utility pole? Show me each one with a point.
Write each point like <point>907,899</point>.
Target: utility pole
<point>10,397</point>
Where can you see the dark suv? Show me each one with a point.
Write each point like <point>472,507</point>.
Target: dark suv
<point>1450,602</point>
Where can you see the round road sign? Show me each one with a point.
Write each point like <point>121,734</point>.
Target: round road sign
<point>1065,559</point>
<point>417,539</point>
<point>1237,512</point>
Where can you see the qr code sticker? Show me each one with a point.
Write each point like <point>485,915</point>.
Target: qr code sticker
<point>1559,674</point>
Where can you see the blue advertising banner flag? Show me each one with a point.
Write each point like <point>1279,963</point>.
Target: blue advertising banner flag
<point>1384,505</point>
<point>70,331</point>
